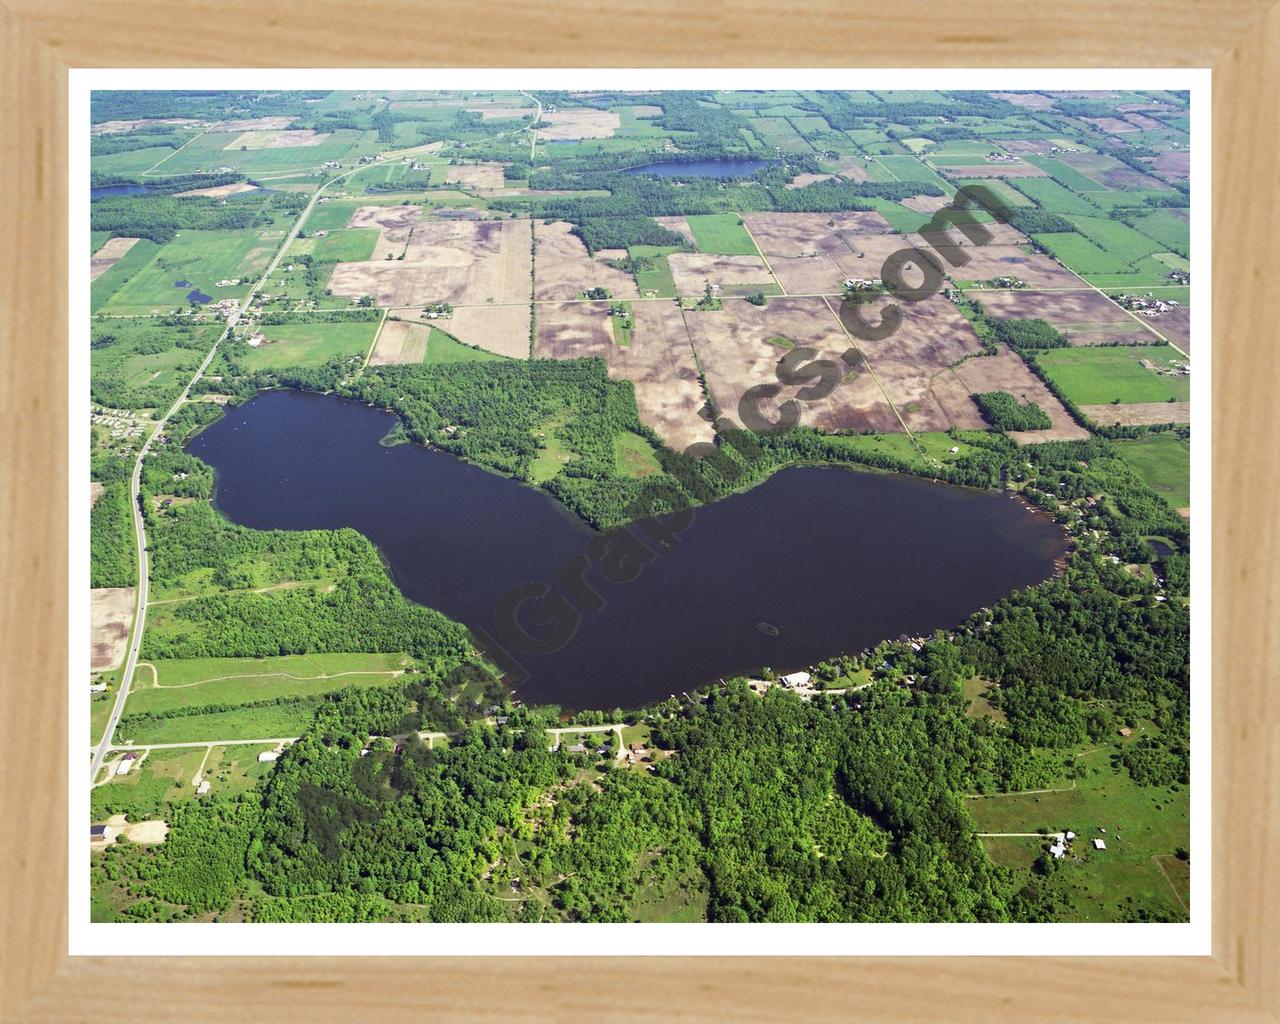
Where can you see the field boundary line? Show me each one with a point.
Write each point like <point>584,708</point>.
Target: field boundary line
<point>767,265</point>
<point>163,159</point>
<point>284,675</point>
<point>876,377</point>
<point>1155,859</point>
<point>376,334</point>
<point>1021,792</point>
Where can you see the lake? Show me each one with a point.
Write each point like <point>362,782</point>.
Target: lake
<point>99,191</point>
<point>701,168</point>
<point>831,559</point>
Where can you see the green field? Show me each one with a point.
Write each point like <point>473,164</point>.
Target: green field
<point>138,256</point>
<point>936,445</point>
<point>1082,255</point>
<point>341,245</point>
<point>199,257</point>
<point>658,277</point>
<point>1003,190</point>
<point>209,152</point>
<point>1147,273</point>
<point>1170,230</point>
<point>1096,376</point>
<point>1118,239</point>
<point>1066,174</point>
<point>634,455</point>
<point>132,162</point>
<point>1164,462</point>
<point>309,344</point>
<point>334,214</point>
<point>201,682</point>
<point>1144,826</point>
<point>1053,197</point>
<point>908,168</point>
<point>1110,200</point>
<point>722,234</point>
<point>272,721</point>
<point>445,348</point>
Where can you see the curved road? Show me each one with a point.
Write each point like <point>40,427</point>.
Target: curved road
<point>139,530</point>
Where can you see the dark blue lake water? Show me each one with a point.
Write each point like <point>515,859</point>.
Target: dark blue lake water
<point>701,168</point>
<point>835,560</point>
<point>99,191</point>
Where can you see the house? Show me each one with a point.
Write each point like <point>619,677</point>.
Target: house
<point>795,679</point>
<point>268,755</point>
<point>97,687</point>
<point>125,763</point>
<point>1058,849</point>
<point>578,748</point>
<point>97,832</point>
<point>1099,844</point>
<point>203,788</point>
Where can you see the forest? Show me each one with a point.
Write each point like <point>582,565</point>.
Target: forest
<point>1004,412</point>
<point>159,217</point>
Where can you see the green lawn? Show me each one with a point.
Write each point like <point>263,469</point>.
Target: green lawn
<point>445,348</point>
<point>1096,376</point>
<point>198,257</point>
<point>554,454</point>
<point>309,344</point>
<point>1164,462</point>
<point>722,234</point>
<point>1142,823</point>
<point>233,770</point>
<point>200,682</point>
<point>163,777</point>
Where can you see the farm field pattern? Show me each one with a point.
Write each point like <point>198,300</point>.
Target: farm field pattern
<point>382,245</point>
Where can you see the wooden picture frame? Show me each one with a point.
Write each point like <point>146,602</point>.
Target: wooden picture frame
<point>42,39</point>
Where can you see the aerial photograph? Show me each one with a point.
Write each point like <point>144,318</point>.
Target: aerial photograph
<point>534,506</point>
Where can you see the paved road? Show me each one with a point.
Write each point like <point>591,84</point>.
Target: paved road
<point>139,529</point>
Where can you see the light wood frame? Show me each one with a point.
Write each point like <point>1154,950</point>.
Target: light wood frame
<point>41,39</point>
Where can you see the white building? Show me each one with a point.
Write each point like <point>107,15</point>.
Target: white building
<point>795,679</point>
